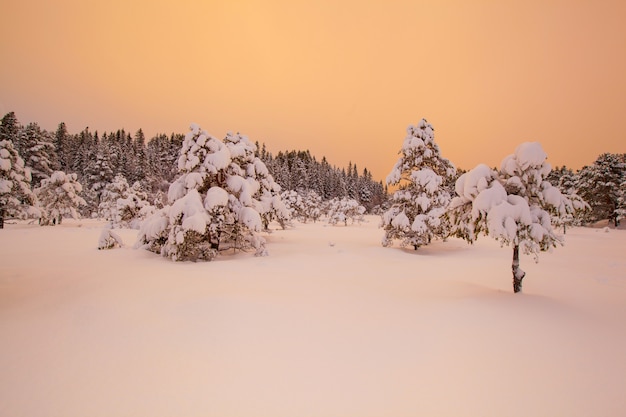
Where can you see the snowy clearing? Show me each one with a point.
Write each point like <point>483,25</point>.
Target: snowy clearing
<point>329,324</point>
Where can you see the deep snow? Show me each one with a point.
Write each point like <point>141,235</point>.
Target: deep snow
<point>329,324</point>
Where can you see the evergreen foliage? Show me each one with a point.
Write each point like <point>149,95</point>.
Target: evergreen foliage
<point>416,215</point>
<point>214,203</point>
<point>59,196</point>
<point>600,185</point>
<point>16,197</point>
<point>511,205</point>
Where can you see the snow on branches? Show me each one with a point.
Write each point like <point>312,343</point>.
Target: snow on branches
<point>223,197</point>
<point>59,196</point>
<point>418,206</point>
<point>511,205</point>
<point>16,197</point>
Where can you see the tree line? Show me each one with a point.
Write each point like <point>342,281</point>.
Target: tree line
<point>97,159</point>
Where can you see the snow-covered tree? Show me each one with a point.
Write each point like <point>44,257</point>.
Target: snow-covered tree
<point>312,206</point>
<point>16,197</point>
<point>59,196</point>
<point>246,163</point>
<point>213,203</point>
<point>132,208</point>
<point>124,206</point>
<point>37,150</point>
<point>111,192</point>
<point>599,185</point>
<point>512,205</point>
<point>294,203</point>
<point>340,210</point>
<point>416,215</point>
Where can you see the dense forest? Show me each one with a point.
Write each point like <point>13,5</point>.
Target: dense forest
<point>151,164</point>
<point>97,159</point>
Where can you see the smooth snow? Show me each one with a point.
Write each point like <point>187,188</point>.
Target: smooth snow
<point>329,324</point>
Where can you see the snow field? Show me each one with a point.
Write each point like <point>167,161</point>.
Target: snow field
<point>329,324</point>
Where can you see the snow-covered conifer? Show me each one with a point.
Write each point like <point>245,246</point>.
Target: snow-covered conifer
<point>16,197</point>
<point>340,210</point>
<point>599,185</point>
<point>132,208</point>
<point>510,205</point>
<point>58,197</point>
<point>418,206</point>
<point>312,203</point>
<point>109,239</point>
<point>38,152</point>
<point>116,189</point>
<point>214,203</point>
<point>124,206</point>
<point>294,203</point>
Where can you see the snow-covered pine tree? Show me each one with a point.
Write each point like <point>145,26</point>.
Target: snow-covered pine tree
<point>246,163</point>
<point>511,205</point>
<point>116,189</point>
<point>294,203</point>
<point>59,196</point>
<point>312,206</point>
<point>416,215</point>
<point>132,208</point>
<point>212,203</point>
<point>340,210</point>
<point>37,150</point>
<point>599,185</point>
<point>16,196</point>
<point>124,206</point>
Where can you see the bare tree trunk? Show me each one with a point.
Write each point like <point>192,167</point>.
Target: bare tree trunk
<point>518,274</point>
<point>2,218</point>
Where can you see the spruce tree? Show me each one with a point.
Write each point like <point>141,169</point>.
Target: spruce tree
<point>16,197</point>
<point>213,203</point>
<point>416,215</point>
<point>59,196</point>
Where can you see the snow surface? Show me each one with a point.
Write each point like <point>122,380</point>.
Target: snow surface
<point>314,329</point>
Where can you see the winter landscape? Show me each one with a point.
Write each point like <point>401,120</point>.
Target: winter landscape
<point>313,209</point>
<point>238,298</point>
<point>329,324</point>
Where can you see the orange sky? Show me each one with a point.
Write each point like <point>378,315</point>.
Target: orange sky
<point>340,78</point>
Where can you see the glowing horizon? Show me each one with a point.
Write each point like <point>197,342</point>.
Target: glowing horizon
<point>340,79</point>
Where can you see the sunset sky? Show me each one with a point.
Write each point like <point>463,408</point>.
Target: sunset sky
<point>341,78</point>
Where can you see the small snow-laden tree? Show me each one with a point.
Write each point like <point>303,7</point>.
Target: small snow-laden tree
<point>132,208</point>
<point>116,189</point>
<point>246,164</point>
<point>344,209</point>
<point>312,206</point>
<point>416,215</point>
<point>38,152</point>
<point>213,204</point>
<point>59,196</point>
<point>511,205</point>
<point>16,197</point>
<point>295,204</point>
<point>621,201</point>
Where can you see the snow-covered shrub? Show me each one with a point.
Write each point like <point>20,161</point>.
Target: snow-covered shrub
<point>133,208</point>
<point>16,197</point>
<point>511,205</point>
<point>216,202</point>
<point>294,203</point>
<point>118,188</point>
<point>312,206</point>
<point>124,206</point>
<point>59,196</point>
<point>344,209</point>
<point>109,239</point>
<point>419,205</point>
